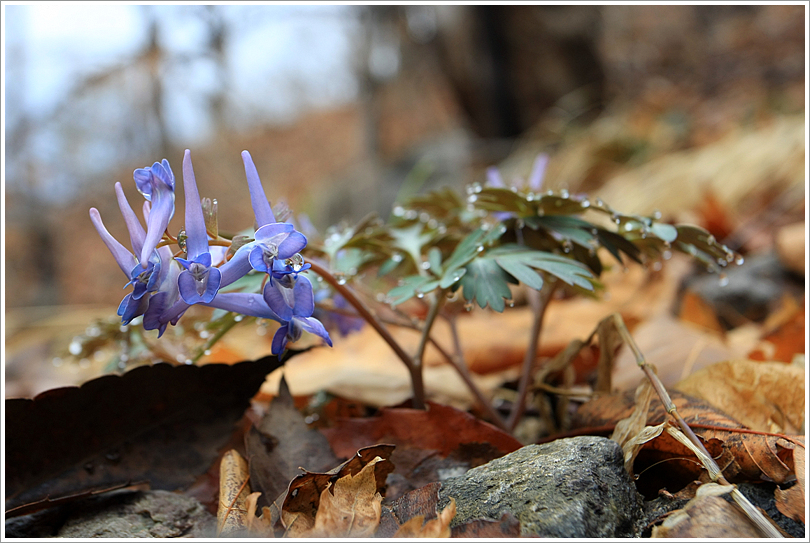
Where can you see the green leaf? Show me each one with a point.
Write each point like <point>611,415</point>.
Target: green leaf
<point>435,261</point>
<point>666,232</point>
<point>407,288</point>
<point>411,240</point>
<point>486,283</point>
<point>520,262</point>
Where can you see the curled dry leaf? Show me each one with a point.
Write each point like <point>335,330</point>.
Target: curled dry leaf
<point>437,527</point>
<point>765,396</point>
<point>233,494</point>
<point>791,502</point>
<point>262,525</point>
<point>743,456</point>
<point>351,509</point>
<point>302,501</point>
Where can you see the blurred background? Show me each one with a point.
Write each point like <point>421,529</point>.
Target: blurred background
<point>344,107</point>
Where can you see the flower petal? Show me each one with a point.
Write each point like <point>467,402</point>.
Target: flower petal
<point>279,341</point>
<point>160,214</point>
<point>126,260</point>
<point>494,178</point>
<point>237,267</point>
<point>294,243</point>
<point>281,300</point>
<point>538,172</point>
<point>245,303</point>
<point>137,234</point>
<point>261,207</point>
<point>270,231</point>
<point>313,326</point>
<point>197,242</point>
<point>304,299</point>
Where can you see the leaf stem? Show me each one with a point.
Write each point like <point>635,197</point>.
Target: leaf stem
<point>374,322</point>
<point>539,301</point>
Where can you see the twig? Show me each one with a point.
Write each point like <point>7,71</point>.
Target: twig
<point>365,313</point>
<point>540,302</point>
<point>716,474</point>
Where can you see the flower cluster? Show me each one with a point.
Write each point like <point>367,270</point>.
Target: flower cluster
<point>166,285</point>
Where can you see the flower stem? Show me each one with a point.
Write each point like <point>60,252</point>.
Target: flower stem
<point>457,360</point>
<point>540,303</point>
<point>365,313</point>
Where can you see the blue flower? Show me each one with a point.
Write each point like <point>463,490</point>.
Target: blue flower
<point>156,183</point>
<point>199,282</point>
<point>294,305</point>
<point>274,241</point>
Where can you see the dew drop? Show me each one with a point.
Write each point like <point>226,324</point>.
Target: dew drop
<point>425,265</point>
<point>600,203</point>
<point>399,211</point>
<point>656,215</point>
<point>469,189</point>
<point>477,187</point>
<point>513,189</point>
<point>615,218</point>
<point>420,294</point>
<point>530,197</point>
<point>341,280</point>
<point>188,362</point>
<point>722,280</point>
<point>424,217</point>
<point>396,257</point>
<point>567,246</point>
<point>564,194</point>
<point>585,203</point>
<point>411,214</point>
<point>180,357</point>
<point>739,260</point>
<point>207,352</point>
<point>123,328</point>
<point>380,297</point>
<point>239,318</point>
<point>75,347</point>
<point>710,240</point>
<point>441,229</point>
<point>519,224</point>
<point>468,306</point>
<point>511,303</point>
<point>432,223</point>
<point>472,198</point>
<point>480,248</point>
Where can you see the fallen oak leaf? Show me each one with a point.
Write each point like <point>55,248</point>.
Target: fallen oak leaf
<point>765,396</point>
<point>351,509</point>
<point>302,500</point>
<point>437,527</point>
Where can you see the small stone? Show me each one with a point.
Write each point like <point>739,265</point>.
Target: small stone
<point>575,487</point>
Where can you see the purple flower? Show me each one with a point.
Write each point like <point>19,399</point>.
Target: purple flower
<point>199,282</point>
<point>261,207</point>
<point>156,183</point>
<point>294,306</point>
<point>277,240</point>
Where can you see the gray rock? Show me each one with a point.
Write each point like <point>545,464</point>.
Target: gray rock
<point>143,514</point>
<point>574,487</point>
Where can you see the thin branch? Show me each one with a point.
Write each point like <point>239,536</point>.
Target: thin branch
<point>366,314</point>
<point>716,474</point>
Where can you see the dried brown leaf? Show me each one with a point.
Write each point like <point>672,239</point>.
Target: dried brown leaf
<point>791,502</point>
<point>351,509</point>
<point>707,516</point>
<point>765,396</point>
<point>437,527</point>
<point>260,526</point>
<point>233,494</point>
<point>302,500</point>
